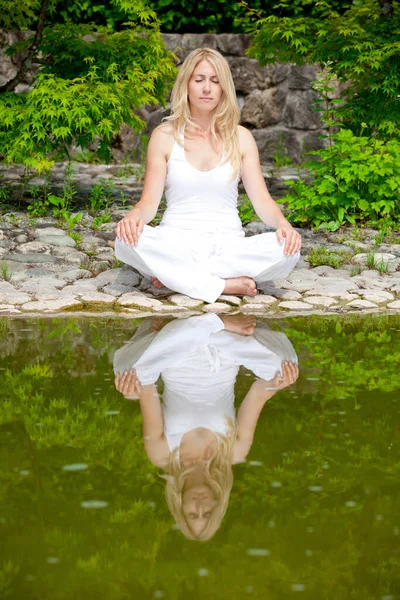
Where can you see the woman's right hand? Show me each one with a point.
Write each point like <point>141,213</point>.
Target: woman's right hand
<point>130,227</point>
<point>128,384</point>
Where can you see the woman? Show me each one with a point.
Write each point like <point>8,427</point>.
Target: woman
<point>194,434</point>
<point>198,155</point>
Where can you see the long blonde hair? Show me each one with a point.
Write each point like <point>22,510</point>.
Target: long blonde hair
<point>225,119</point>
<point>218,476</point>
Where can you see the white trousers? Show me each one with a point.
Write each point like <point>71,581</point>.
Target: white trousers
<point>196,264</point>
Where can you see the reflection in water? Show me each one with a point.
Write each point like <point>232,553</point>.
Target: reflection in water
<point>195,434</point>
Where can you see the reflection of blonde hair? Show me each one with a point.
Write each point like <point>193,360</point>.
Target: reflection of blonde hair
<point>218,477</point>
<point>226,115</point>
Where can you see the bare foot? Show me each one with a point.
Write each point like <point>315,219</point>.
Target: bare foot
<point>156,282</point>
<point>241,324</point>
<point>240,285</point>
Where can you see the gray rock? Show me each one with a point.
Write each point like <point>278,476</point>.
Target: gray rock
<point>74,275</point>
<point>232,43</point>
<point>33,247</point>
<point>228,299</point>
<point>253,308</point>
<point>260,299</point>
<point>377,293</point>
<point>361,304</point>
<point>248,76</point>
<point>50,305</point>
<point>278,140</point>
<point>217,307</point>
<point>395,305</point>
<point>32,258</point>
<point>192,41</point>
<point>34,286</point>
<point>119,276</point>
<point>295,305</point>
<point>38,272</point>
<point>97,297</point>
<point>137,299</point>
<point>298,113</point>
<point>13,297</point>
<point>256,227</point>
<point>21,238</point>
<point>321,301</point>
<point>263,107</point>
<point>70,255</point>
<point>185,301</point>
<point>45,231</point>
<point>58,240</point>
<point>117,289</point>
<point>301,77</point>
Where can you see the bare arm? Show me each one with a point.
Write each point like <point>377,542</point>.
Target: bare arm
<point>253,403</point>
<point>265,207</point>
<point>131,226</point>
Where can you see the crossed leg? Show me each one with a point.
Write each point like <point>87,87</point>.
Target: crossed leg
<point>233,285</point>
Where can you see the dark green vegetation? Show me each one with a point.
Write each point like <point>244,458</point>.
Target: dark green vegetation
<point>321,495</point>
<point>357,178</point>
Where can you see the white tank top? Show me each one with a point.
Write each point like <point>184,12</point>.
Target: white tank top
<point>202,200</point>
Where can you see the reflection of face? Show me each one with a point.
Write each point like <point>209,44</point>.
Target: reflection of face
<point>204,88</point>
<point>198,504</point>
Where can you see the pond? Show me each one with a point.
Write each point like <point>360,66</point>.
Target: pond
<point>304,460</point>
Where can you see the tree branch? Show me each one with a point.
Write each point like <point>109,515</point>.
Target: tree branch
<point>386,8</point>
<point>27,62</point>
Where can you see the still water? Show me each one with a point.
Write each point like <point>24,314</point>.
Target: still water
<point>198,458</point>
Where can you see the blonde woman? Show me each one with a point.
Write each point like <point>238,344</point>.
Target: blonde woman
<point>194,434</point>
<point>198,156</point>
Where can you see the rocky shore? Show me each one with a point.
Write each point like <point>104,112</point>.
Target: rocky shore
<point>43,270</point>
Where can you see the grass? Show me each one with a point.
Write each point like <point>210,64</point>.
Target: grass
<point>5,272</point>
<point>336,259</point>
<point>382,266</point>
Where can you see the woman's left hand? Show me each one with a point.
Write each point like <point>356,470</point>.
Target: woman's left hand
<point>293,239</point>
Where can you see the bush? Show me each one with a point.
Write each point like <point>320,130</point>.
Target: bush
<point>357,180</point>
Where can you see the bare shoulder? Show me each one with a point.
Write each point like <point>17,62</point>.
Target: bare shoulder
<point>161,141</point>
<point>246,140</point>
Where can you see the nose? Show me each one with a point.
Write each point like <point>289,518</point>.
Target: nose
<point>206,86</point>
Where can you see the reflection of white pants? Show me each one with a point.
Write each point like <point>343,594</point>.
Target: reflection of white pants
<point>197,264</point>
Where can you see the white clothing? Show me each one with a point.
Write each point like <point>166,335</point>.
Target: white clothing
<point>200,241</point>
<point>199,361</point>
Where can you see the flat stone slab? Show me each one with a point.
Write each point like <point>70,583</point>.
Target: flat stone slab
<point>378,298</point>
<point>58,240</point>
<point>119,276</point>
<point>295,305</point>
<point>35,286</point>
<point>117,289</point>
<point>325,301</point>
<point>14,297</point>
<point>361,304</point>
<point>235,300</point>
<point>260,299</point>
<point>33,247</point>
<point>97,297</point>
<point>132,299</point>
<point>217,307</point>
<point>185,301</point>
<point>50,305</point>
<point>32,258</point>
<point>395,305</point>
<point>251,308</point>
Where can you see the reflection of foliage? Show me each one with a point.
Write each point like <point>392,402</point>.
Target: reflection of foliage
<point>330,441</point>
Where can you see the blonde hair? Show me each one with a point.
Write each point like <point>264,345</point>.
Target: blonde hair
<point>218,476</point>
<point>225,119</point>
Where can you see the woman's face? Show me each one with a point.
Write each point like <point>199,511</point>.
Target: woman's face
<point>204,88</point>
<point>198,504</point>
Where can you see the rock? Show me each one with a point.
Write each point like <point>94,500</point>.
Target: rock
<point>233,44</point>
<point>260,299</point>
<point>302,274</point>
<point>117,289</point>
<point>46,231</point>
<point>217,307</point>
<point>37,272</point>
<point>301,287</point>
<point>321,300</point>
<point>361,304</point>
<point>256,227</point>
<point>137,299</point>
<point>13,297</point>
<point>360,259</point>
<point>185,301</point>
<point>21,238</point>
<point>301,77</point>
<point>58,240</point>
<point>279,293</point>
<point>50,305</point>
<point>173,310</point>
<point>74,275</point>
<point>278,140</point>
<point>34,286</point>
<point>295,305</point>
<point>8,309</point>
<point>383,257</point>
<point>298,112</point>
<point>192,41</point>
<point>97,297</point>
<point>117,276</point>
<point>32,247</point>
<point>252,308</point>
<point>383,294</point>
<point>263,108</point>
<point>395,305</point>
<point>230,299</point>
<point>248,76</point>
<point>32,258</point>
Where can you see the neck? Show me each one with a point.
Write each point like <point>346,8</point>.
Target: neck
<point>203,120</point>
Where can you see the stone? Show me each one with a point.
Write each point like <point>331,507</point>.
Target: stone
<point>234,44</point>
<point>263,107</point>
<point>301,77</point>
<point>58,240</point>
<point>73,275</point>
<point>301,274</point>
<point>361,304</point>
<point>379,293</point>
<point>185,301</point>
<point>248,76</point>
<point>301,287</point>
<point>256,227</point>
<point>167,308</point>
<point>260,299</point>
<point>376,298</point>
<point>14,297</point>
<point>360,259</point>
<point>235,300</point>
<point>46,231</point>
<point>97,297</point>
<point>192,41</point>
<point>279,293</point>
<point>321,300</point>
<point>6,286</point>
<point>34,286</point>
<point>50,305</point>
<point>217,307</point>
<point>21,238</point>
<point>32,258</point>
<point>278,140</point>
<point>252,308</point>
<point>8,308</point>
<point>119,276</point>
<point>383,257</point>
<point>298,112</point>
<point>137,299</point>
<point>117,289</point>
<point>32,247</point>
<point>395,305</point>
<point>70,255</point>
<point>37,272</point>
<point>295,305</point>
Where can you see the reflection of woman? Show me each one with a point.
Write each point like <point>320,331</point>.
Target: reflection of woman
<point>194,434</point>
<point>198,156</point>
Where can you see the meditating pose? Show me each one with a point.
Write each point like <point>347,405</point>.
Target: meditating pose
<point>194,434</point>
<point>198,155</point>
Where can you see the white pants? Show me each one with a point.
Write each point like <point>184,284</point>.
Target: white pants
<point>196,264</point>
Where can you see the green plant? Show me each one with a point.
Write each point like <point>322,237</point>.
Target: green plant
<point>246,210</point>
<point>77,237</point>
<point>5,272</point>
<point>101,196</point>
<point>370,260</point>
<point>139,156</point>
<point>357,180</point>
<point>101,219</point>
<point>322,256</point>
<point>382,266</point>
<point>92,81</point>
<point>356,270</point>
<point>86,156</point>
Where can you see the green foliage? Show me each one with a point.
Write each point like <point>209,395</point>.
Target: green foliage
<point>246,210</point>
<point>322,256</point>
<point>356,180</point>
<point>101,196</point>
<point>360,46</point>
<point>90,85</point>
<point>5,272</point>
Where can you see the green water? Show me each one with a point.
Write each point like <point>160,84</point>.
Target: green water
<point>313,513</point>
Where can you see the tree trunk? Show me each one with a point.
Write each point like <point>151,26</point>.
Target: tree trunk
<point>27,62</point>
